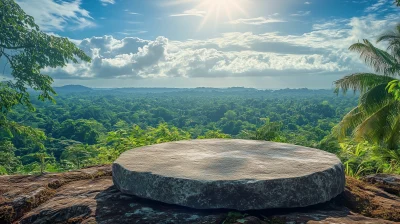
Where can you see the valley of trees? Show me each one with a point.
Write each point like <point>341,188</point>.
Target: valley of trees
<point>87,127</point>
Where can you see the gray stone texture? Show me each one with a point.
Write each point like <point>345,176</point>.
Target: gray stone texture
<point>232,174</point>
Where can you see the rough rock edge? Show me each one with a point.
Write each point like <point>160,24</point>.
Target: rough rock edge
<point>98,201</point>
<point>368,200</point>
<point>166,189</point>
<point>388,182</point>
<point>12,209</point>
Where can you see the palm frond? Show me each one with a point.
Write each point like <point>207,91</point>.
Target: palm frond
<point>349,121</point>
<point>380,60</point>
<point>374,126</point>
<point>375,97</point>
<point>360,82</point>
<point>393,139</point>
<point>393,39</point>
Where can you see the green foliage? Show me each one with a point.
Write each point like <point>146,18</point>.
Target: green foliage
<point>117,142</point>
<point>269,131</point>
<point>356,158</point>
<point>38,162</point>
<point>393,88</point>
<point>86,131</point>
<point>330,144</point>
<point>387,160</point>
<point>301,117</point>
<point>376,118</point>
<point>360,159</point>
<point>78,154</point>
<point>361,82</point>
<point>128,121</point>
<point>27,50</point>
<point>9,163</point>
<point>211,134</point>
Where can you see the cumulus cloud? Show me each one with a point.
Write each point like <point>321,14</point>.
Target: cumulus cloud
<point>52,15</point>
<point>322,51</point>
<point>113,58</point>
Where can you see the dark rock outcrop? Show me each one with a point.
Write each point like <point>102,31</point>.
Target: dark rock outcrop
<point>20,194</point>
<point>230,174</point>
<point>89,196</point>
<point>370,200</point>
<point>389,183</point>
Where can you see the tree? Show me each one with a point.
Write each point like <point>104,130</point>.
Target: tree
<point>8,161</point>
<point>78,154</point>
<point>37,160</point>
<point>377,116</point>
<point>267,132</point>
<point>86,131</point>
<point>27,51</point>
<point>43,158</point>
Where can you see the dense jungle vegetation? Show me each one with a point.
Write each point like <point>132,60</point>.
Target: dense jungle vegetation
<point>88,127</point>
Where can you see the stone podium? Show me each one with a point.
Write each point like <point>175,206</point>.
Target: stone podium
<point>230,174</point>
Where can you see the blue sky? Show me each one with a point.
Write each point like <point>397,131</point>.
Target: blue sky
<point>215,43</point>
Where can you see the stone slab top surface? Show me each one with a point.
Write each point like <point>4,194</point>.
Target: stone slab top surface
<point>219,159</point>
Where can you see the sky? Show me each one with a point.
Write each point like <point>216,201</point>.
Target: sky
<point>265,44</point>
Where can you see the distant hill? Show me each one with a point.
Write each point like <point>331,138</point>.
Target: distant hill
<point>206,90</point>
<point>72,88</point>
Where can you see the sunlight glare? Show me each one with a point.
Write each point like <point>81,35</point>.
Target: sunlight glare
<point>229,8</point>
<point>221,10</point>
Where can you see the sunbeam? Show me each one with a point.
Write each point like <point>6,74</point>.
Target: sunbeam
<point>221,10</point>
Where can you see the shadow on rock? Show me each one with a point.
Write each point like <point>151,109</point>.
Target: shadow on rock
<point>115,207</point>
<point>98,201</point>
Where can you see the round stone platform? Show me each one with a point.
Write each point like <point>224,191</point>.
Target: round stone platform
<point>232,174</point>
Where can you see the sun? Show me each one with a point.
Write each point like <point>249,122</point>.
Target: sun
<point>216,11</point>
<point>221,8</point>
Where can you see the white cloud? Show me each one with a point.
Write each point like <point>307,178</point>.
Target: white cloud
<point>191,12</point>
<point>378,6</point>
<point>307,3</point>
<point>331,24</point>
<point>53,15</point>
<point>132,13</point>
<point>107,2</point>
<point>301,13</point>
<point>322,51</point>
<point>256,21</point>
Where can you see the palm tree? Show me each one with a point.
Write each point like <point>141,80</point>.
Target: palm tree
<point>377,116</point>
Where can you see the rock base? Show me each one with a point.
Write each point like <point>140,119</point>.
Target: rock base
<point>230,174</point>
<point>88,196</point>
